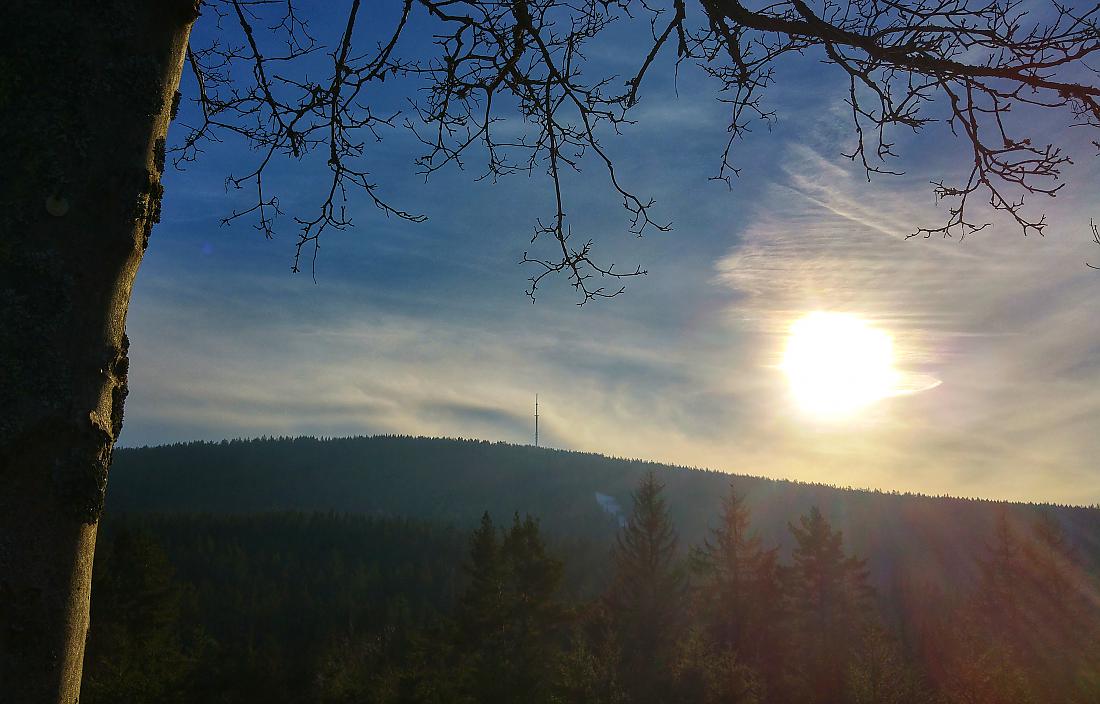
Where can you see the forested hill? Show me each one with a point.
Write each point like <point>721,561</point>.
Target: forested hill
<point>454,481</point>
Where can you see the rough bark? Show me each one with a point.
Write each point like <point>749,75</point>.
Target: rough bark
<point>86,94</point>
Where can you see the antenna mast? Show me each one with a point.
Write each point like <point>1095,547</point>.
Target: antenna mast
<point>536,420</point>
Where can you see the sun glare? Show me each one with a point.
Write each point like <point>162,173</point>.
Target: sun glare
<point>838,364</point>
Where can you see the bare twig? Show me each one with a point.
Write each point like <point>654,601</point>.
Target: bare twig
<point>972,64</point>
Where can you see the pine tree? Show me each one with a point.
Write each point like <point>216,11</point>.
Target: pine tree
<point>989,632</point>
<point>1031,620</point>
<point>534,617</point>
<point>647,594</point>
<point>829,599</point>
<point>481,647</point>
<point>482,607</point>
<point>508,617</point>
<point>737,593</point>
<point>1067,594</point>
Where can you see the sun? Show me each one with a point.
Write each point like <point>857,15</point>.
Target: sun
<point>838,364</point>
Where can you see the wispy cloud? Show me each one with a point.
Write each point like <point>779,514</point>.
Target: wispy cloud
<point>426,331</point>
<point>1005,323</point>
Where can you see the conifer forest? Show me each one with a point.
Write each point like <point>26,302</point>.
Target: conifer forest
<point>194,604</point>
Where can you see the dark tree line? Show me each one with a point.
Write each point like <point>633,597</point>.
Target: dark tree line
<point>340,610</point>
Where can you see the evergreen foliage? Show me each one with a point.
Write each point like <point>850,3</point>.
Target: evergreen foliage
<point>736,580</point>
<point>829,604</point>
<point>452,481</point>
<point>332,608</point>
<point>508,620</point>
<point>646,597</point>
<point>137,651</point>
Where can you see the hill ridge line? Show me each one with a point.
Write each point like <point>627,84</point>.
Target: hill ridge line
<point>602,456</point>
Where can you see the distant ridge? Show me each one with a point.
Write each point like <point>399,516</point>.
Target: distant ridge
<point>905,536</point>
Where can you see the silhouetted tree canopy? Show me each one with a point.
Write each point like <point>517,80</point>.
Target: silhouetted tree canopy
<point>977,68</point>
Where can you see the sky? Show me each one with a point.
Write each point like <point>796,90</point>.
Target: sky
<point>424,329</point>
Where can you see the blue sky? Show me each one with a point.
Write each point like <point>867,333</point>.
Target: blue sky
<point>425,328</point>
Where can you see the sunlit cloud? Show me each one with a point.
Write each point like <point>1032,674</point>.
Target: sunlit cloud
<point>1001,321</point>
<point>419,331</point>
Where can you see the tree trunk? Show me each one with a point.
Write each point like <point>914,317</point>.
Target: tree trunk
<point>87,90</point>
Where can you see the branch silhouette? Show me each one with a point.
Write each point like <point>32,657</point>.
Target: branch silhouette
<point>971,64</point>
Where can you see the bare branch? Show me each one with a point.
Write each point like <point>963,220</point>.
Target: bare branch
<point>971,65</point>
